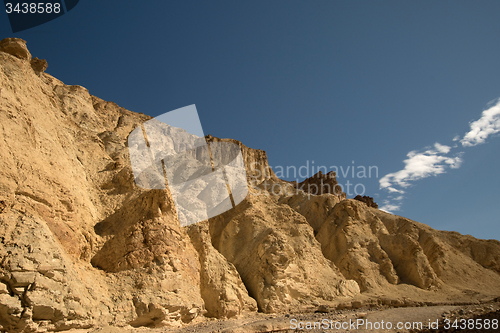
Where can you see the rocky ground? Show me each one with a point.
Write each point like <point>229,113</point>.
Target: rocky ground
<point>413,316</point>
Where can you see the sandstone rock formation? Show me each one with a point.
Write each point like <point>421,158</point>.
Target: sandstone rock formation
<point>81,245</point>
<point>15,47</point>
<point>321,184</point>
<point>256,164</point>
<point>39,65</point>
<point>367,200</point>
<point>274,250</point>
<point>221,287</point>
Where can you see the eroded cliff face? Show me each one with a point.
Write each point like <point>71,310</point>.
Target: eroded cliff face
<point>256,165</point>
<point>81,245</point>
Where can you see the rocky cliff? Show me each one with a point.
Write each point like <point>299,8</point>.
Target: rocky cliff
<point>82,246</point>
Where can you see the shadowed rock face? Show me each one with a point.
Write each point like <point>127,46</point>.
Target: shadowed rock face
<point>367,200</point>
<point>81,245</point>
<point>16,47</point>
<point>321,184</point>
<point>39,65</point>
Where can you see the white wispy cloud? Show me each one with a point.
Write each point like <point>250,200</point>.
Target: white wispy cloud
<point>488,124</point>
<point>418,165</point>
<point>389,207</point>
<point>442,148</point>
<point>436,160</point>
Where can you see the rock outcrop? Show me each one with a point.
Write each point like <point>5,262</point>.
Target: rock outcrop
<point>256,165</point>
<point>224,293</point>
<point>39,65</point>
<point>16,47</point>
<point>367,200</point>
<point>321,184</point>
<point>81,245</point>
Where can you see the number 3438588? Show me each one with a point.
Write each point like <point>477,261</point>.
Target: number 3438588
<point>33,8</point>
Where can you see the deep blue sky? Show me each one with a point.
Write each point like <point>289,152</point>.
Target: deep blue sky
<point>324,81</point>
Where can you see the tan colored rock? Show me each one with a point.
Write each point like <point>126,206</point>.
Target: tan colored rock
<point>22,279</point>
<point>453,268</point>
<point>321,183</point>
<point>484,252</point>
<point>39,65</point>
<point>274,250</point>
<point>16,47</point>
<point>10,311</point>
<point>152,315</point>
<point>32,246</point>
<point>347,238</point>
<point>55,176</point>
<point>3,206</point>
<point>256,164</point>
<point>222,290</point>
<point>3,289</point>
<point>315,208</point>
<point>378,250</point>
